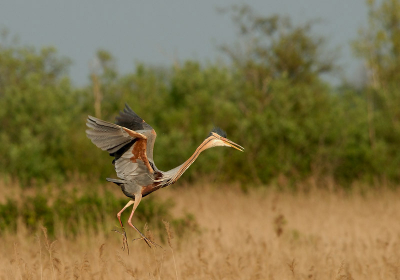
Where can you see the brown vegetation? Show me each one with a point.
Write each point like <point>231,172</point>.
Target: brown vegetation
<point>262,234</point>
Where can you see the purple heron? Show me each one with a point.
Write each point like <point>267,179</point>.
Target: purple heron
<point>130,141</point>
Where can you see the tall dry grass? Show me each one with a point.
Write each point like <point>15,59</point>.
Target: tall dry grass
<point>263,234</point>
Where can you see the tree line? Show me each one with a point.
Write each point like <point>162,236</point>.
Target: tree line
<point>270,98</point>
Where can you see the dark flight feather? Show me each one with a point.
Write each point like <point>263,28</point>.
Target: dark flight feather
<point>129,119</point>
<point>121,151</point>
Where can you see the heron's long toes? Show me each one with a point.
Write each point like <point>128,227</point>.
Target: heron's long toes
<point>124,239</point>
<point>148,242</point>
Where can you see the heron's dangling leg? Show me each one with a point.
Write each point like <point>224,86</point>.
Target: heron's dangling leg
<point>138,198</point>
<point>123,209</point>
<point>125,239</point>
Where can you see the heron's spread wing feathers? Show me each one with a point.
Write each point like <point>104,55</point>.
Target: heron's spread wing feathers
<point>129,119</point>
<point>107,136</point>
<point>128,146</point>
<point>130,165</point>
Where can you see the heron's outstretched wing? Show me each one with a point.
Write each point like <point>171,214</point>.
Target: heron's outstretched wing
<point>129,119</point>
<point>128,146</point>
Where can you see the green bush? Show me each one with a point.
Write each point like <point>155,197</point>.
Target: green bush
<point>72,214</point>
<point>271,100</point>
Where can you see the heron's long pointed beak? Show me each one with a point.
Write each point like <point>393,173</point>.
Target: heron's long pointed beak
<point>233,145</point>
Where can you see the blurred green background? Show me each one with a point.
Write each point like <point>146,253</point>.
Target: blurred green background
<point>270,98</point>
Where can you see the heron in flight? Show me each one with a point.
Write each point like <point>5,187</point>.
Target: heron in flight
<point>130,141</point>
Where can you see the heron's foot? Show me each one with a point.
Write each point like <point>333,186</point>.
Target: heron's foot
<point>148,241</point>
<point>124,239</point>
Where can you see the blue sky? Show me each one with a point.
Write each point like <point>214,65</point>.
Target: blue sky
<point>157,32</point>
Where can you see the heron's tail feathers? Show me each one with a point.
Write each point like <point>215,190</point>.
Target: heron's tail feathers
<point>107,136</point>
<point>116,181</point>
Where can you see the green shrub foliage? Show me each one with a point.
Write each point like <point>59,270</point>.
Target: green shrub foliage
<point>71,214</point>
<point>271,99</point>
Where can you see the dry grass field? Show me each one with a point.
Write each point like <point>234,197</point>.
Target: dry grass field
<point>262,234</point>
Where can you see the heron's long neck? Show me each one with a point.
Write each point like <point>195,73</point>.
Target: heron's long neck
<point>177,172</point>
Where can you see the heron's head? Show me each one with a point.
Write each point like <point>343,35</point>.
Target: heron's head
<point>217,137</point>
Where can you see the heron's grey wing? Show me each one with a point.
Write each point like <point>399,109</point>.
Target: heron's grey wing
<point>129,119</point>
<point>128,147</point>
